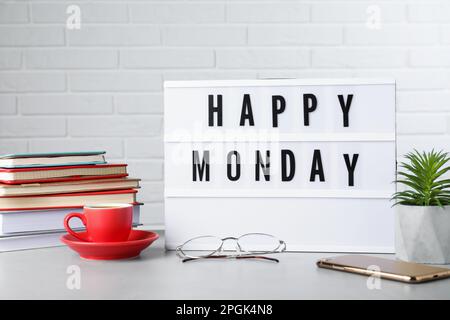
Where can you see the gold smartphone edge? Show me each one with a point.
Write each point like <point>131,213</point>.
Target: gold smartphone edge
<point>384,275</point>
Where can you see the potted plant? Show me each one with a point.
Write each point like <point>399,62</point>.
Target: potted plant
<point>422,222</point>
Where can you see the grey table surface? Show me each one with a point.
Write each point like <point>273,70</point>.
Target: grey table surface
<point>157,274</point>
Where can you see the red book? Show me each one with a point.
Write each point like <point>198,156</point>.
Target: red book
<point>62,173</point>
<point>74,185</point>
<point>66,200</point>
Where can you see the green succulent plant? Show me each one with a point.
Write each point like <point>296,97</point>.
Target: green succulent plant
<point>424,176</point>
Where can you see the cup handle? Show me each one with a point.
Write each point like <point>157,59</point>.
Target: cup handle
<point>69,216</point>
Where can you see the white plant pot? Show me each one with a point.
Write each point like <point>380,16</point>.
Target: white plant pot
<point>422,234</point>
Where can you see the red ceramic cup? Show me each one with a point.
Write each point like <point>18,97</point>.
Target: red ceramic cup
<point>103,222</point>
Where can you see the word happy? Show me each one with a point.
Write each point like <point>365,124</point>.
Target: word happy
<point>262,168</point>
<point>278,107</point>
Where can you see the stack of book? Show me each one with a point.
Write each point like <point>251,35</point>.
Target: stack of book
<point>38,190</point>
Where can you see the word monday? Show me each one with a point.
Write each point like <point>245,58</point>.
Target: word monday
<point>201,167</point>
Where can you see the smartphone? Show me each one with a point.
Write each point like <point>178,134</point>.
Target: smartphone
<point>384,268</point>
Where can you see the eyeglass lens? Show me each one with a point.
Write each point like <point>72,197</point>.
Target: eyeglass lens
<point>257,242</point>
<point>206,244</point>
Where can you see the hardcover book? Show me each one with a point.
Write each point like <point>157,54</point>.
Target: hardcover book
<point>67,199</point>
<point>30,189</point>
<point>24,222</point>
<point>26,160</point>
<point>60,173</point>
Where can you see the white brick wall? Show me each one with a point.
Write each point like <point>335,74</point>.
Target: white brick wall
<point>100,87</point>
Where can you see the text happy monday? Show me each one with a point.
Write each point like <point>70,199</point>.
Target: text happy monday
<point>262,166</point>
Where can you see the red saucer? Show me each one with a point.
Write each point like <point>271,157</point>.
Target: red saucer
<point>138,241</point>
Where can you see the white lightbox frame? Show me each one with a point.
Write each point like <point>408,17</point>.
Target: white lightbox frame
<point>323,219</point>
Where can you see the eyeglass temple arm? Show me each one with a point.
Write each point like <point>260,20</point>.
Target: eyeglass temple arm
<point>237,257</point>
<point>258,257</point>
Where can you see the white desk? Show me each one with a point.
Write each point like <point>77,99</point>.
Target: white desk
<point>158,274</point>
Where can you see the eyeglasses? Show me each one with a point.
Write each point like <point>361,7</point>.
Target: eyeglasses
<point>247,246</point>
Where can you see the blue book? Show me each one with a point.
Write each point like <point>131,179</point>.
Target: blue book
<point>51,159</point>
